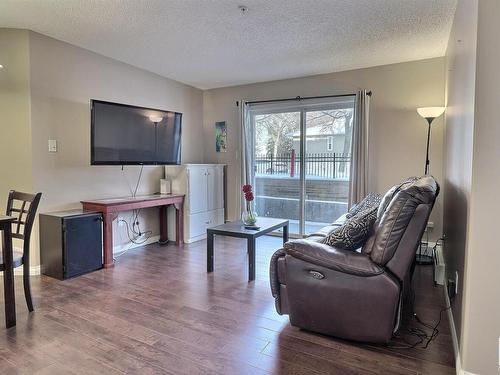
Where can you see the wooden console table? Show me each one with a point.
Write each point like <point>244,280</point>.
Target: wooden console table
<point>111,207</point>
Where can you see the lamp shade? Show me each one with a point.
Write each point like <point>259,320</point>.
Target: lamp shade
<point>155,119</point>
<point>430,112</point>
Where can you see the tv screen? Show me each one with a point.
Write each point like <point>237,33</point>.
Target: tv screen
<point>123,135</point>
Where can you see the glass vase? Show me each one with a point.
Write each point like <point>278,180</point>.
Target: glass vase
<point>249,216</point>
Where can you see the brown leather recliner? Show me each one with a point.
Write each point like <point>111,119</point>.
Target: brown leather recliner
<point>356,295</point>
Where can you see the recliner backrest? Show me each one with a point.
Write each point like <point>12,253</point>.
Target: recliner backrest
<point>401,222</point>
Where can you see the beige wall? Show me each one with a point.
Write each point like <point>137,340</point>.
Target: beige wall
<point>15,139</point>
<point>459,128</point>
<point>398,134</point>
<point>481,327</point>
<point>472,178</point>
<point>63,80</point>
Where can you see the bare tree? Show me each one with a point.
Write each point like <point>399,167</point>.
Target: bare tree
<point>276,131</point>
<point>336,122</point>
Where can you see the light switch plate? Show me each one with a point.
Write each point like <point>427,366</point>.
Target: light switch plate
<point>52,145</point>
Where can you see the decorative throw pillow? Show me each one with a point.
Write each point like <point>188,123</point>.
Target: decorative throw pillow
<point>354,232</point>
<point>371,200</point>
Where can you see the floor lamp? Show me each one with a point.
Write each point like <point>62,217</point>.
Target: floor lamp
<point>429,113</point>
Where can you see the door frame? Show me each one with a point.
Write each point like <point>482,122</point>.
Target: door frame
<point>308,105</point>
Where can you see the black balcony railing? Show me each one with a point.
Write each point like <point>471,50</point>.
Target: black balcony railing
<point>323,165</point>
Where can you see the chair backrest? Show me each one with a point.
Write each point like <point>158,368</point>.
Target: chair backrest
<point>23,206</point>
<point>400,224</point>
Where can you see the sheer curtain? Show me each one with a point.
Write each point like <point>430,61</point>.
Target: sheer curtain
<point>246,142</point>
<point>359,161</point>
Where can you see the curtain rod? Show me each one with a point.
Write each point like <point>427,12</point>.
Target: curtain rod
<point>299,98</point>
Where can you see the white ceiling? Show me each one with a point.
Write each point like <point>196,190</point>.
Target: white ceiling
<point>209,43</point>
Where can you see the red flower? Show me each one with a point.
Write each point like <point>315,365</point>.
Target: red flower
<point>247,188</point>
<point>249,196</point>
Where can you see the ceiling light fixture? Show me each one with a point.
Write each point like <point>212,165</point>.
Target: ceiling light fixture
<point>1,66</point>
<point>243,9</point>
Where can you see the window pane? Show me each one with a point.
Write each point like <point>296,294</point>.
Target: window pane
<point>277,176</point>
<point>327,166</point>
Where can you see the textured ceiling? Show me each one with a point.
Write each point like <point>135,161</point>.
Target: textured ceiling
<point>210,43</point>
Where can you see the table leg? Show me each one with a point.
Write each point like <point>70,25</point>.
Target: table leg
<point>251,258</point>
<point>285,234</point>
<point>179,224</point>
<point>163,225</point>
<point>8,279</point>
<point>210,252</point>
<point>108,239</point>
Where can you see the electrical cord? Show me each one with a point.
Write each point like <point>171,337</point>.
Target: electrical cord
<point>135,223</point>
<point>138,181</point>
<point>409,344</point>
<point>133,192</point>
<point>131,238</point>
<point>136,212</point>
<point>128,184</point>
<point>423,337</point>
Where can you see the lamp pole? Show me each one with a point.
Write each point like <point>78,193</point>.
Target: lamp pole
<point>424,259</point>
<point>427,162</point>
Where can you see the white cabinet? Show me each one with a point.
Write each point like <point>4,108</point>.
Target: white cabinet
<point>215,196</point>
<point>203,185</point>
<point>197,189</point>
<point>197,225</point>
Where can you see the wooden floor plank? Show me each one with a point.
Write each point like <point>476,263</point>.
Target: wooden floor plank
<point>158,312</point>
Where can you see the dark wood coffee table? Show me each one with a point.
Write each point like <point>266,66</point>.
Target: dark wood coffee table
<point>237,229</point>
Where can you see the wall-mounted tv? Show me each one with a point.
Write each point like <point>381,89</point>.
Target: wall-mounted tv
<point>126,135</point>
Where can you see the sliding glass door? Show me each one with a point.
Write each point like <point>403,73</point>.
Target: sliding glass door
<point>277,169</point>
<point>302,161</point>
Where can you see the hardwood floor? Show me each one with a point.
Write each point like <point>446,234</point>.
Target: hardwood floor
<point>158,312</point>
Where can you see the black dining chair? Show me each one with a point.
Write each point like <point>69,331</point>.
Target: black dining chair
<point>22,206</point>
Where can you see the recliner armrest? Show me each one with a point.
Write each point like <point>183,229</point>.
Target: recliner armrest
<point>336,259</point>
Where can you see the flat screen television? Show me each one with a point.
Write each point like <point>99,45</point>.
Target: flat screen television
<point>126,135</point>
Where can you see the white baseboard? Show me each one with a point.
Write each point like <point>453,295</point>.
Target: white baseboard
<point>119,249</point>
<point>34,271</point>
<point>196,239</point>
<point>454,338</point>
<point>460,370</point>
